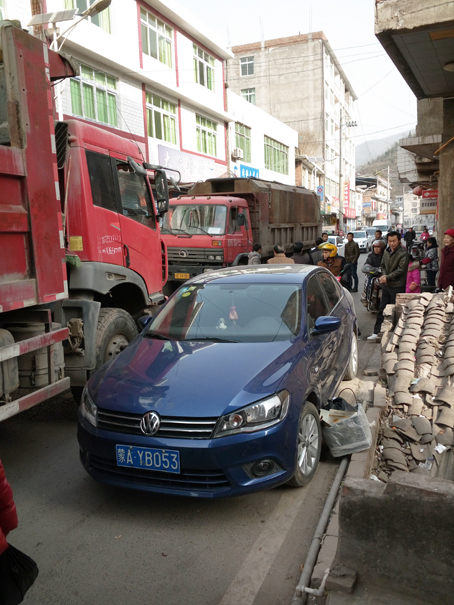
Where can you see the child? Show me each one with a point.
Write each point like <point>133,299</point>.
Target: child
<point>413,273</point>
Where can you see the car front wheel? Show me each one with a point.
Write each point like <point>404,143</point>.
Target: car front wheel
<point>352,367</point>
<point>308,444</point>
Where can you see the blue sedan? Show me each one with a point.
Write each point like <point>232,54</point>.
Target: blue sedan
<point>220,393</point>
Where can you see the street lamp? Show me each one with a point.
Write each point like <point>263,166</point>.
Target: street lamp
<point>94,9</point>
<point>349,124</point>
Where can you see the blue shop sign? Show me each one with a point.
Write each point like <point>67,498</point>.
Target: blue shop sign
<point>246,172</point>
<point>320,192</point>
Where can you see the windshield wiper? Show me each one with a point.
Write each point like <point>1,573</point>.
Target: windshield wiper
<point>197,227</point>
<point>213,339</point>
<point>172,229</point>
<point>157,336</point>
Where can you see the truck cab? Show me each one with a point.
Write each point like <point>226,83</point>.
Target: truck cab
<point>204,233</point>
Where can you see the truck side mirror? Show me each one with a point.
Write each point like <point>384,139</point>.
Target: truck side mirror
<point>162,192</point>
<point>240,219</point>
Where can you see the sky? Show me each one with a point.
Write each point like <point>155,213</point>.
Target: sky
<point>385,105</point>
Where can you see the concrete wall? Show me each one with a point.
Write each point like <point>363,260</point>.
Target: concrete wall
<point>445,183</point>
<point>400,534</point>
<point>430,117</point>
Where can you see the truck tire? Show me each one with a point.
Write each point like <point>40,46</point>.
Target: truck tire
<point>116,329</point>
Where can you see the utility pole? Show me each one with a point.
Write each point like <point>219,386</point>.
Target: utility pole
<point>341,175</point>
<point>388,202</point>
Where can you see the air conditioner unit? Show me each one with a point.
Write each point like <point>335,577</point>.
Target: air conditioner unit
<point>237,154</point>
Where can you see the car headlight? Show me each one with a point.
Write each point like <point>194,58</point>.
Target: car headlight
<point>255,417</point>
<point>88,409</point>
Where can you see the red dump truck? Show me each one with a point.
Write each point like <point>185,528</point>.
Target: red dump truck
<point>220,219</point>
<point>81,255</point>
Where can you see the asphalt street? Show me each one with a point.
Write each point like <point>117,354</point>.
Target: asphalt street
<point>103,545</point>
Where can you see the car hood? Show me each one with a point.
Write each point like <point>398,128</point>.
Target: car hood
<point>191,379</point>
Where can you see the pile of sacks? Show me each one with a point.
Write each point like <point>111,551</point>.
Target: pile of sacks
<point>418,361</point>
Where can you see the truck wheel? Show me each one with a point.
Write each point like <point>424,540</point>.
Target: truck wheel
<point>116,329</point>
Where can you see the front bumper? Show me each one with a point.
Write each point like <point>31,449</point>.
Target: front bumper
<point>175,271</point>
<point>210,468</point>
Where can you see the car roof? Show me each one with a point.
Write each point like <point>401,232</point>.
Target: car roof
<point>272,274</point>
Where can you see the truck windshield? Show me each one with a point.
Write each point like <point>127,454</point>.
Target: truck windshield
<point>195,218</point>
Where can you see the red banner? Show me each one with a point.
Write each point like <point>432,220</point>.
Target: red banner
<point>430,193</point>
<point>350,212</point>
<point>347,193</point>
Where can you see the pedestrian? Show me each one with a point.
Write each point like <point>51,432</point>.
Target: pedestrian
<point>331,260</point>
<point>424,235</point>
<point>351,256</point>
<point>324,237</point>
<point>409,237</point>
<point>255,257</point>
<point>371,268</point>
<point>446,275</point>
<point>379,236</point>
<point>279,257</point>
<point>316,253</point>
<point>430,261</point>
<point>393,266</point>
<point>375,257</point>
<point>413,283</point>
<point>300,257</point>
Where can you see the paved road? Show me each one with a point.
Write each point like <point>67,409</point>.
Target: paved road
<point>100,545</point>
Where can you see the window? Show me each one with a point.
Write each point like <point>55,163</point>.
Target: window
<point>157,38</point>
<point>326,122</point>
<point>249,95</point>
<point>2,9</point>
<point>161,119</point>
<point>93,96</point>
<point>247,66</point>
<point>331,287</point>
<point>332,127</point>
<point>203,67</point>
<point>206,135</point>
<point>101,180</point>
<point>243,140</point>
<point>316,303</point>
<point>276,156</point>
<point>134,195</point>
<point>102,19</point>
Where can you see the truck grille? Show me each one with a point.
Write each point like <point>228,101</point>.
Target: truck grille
<point>175,428</point>
<point>194,255</point>
<point>188,479</point>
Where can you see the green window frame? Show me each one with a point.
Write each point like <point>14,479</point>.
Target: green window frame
<point>276,156</point>
<point>161,119</point>
<point>157,38</point>
<point>248,95</point>
<point>102,19</point>
<point>203,64</point>
<point>206,136</point>
<point>94,96</point>
<point>243,140</point>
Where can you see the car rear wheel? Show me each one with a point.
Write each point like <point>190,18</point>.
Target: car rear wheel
<point>352,367</point>
<point>309,445</point>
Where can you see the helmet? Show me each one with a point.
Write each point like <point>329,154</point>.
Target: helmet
<point>329,246</point>
<point>378,242</point>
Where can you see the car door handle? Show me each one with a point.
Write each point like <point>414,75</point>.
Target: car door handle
<point>127,259</point>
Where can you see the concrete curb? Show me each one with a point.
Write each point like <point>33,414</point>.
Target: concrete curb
<point>360,467</point>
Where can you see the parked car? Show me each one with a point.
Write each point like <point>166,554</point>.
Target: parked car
<point>220,394</point>
<point>364,240</point>
<point>339,242</point>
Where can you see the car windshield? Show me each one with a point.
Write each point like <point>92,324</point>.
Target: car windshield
<point>230,313</point>
<point>195,218</point>
<point>359,234</point>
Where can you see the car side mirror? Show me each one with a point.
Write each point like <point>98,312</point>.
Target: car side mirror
<point>240,219</point>
<point>325,324</point>
<point>144,321</point>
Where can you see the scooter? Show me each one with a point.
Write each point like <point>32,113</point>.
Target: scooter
<point>372,293</point>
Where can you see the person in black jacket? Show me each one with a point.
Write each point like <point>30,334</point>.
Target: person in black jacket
<point>300,257</point>
<point>409,237</point>
<point>351,253</point>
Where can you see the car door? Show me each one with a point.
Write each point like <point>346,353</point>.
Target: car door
<point>237,237</point>
<point>338,306</point>
<point>139,235</point>
<point>319,350</point>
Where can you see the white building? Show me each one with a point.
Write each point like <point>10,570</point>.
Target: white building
<point>148,72</point>
<point>260,145</point>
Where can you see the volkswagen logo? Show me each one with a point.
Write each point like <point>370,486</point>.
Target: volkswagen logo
<point>183,253</point>
<point>150,423</point>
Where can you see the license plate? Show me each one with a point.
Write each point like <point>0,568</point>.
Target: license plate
<point>182,276</point>
<point>148,458</point>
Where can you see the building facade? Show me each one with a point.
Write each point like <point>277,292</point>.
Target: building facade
<point>260,145</point>
<point>149,73</point>
<point>300,81</point>
<point>375,198</point>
